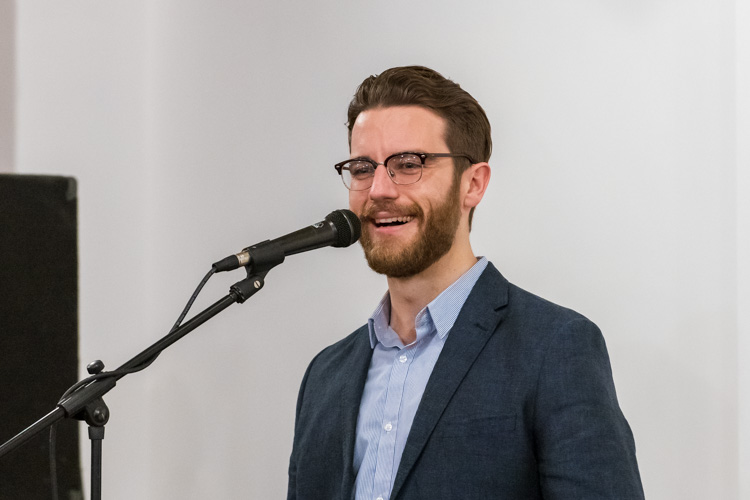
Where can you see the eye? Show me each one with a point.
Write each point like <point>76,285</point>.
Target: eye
<point>360,169</point>
<point>410,166</point>
<point>406,164</point>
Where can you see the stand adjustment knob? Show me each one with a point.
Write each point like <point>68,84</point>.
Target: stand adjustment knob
<point>95,367</point>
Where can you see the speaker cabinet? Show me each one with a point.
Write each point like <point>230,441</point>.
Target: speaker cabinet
<point>38,329</point>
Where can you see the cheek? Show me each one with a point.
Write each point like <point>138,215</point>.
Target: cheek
<point>357,201</point>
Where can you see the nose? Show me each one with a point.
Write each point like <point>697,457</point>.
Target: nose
<point>383,186</point>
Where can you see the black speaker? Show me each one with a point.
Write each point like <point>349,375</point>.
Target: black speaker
<point>38,329</point>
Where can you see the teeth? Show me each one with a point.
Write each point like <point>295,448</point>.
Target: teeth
<point>389,220</point>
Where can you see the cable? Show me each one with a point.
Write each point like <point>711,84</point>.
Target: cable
<point>121,372</point>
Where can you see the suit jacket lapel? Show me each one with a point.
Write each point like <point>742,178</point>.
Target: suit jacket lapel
<point>356,366</point>
<point>474,326</point>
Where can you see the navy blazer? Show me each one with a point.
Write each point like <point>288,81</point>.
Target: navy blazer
<point>520,405</point>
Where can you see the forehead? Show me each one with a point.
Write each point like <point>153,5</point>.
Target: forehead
<point>379,132</point>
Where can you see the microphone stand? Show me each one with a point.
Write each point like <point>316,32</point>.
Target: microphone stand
<point>87,404</point>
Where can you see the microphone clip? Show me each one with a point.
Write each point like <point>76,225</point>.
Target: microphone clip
<point>261,258</point>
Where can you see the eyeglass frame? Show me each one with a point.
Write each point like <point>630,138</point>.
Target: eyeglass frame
<point>422,156</point>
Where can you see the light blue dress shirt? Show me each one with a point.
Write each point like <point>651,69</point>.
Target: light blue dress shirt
<point>396,380</point>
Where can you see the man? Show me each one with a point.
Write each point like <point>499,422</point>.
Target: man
<point>461,385</point>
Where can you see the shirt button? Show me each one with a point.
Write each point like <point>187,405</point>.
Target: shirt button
<point>403,358</point>
<point>379,498</point>
<point>388,427</point>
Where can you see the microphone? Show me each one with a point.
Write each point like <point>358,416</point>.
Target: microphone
<point>339,229</point>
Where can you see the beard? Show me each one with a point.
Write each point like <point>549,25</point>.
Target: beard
<point>437,231</point>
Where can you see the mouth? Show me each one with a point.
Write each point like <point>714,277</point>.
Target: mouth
<point>393,221</point>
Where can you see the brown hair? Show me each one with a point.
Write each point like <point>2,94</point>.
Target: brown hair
<point>467,128</point>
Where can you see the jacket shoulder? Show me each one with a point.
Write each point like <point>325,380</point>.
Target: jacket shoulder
<point>521,307</point>
<point>344,348</point>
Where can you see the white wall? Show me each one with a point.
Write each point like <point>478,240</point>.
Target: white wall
<point>742,83</point>
<point>7,84</point>
<point>196,128</point>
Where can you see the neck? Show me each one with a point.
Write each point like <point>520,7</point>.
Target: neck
<point>411,295</point>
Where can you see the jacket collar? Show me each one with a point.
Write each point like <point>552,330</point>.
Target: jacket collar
<point>358,362</point>
<point>474,326</point>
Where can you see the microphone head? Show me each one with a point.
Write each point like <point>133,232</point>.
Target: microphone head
<point>347,227</point>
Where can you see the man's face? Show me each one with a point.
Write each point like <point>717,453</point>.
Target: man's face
<point>405,228</point>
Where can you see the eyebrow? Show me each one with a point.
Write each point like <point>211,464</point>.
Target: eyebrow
<point>417,151</point>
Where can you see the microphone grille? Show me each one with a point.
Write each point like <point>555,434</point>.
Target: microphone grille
<point>347,227</point>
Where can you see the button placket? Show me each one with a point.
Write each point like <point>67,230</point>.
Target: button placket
<point>387,445</point>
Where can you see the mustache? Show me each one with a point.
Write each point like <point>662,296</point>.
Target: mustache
<point>369,210</point>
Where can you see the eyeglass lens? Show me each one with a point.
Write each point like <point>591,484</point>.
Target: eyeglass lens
<point>403,169</point>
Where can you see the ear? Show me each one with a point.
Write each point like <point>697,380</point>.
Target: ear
<point>474,182</point>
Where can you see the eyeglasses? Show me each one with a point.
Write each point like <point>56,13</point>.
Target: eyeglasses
<point>402,168</point>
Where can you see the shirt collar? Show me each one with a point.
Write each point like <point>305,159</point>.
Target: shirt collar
<point>442,311</point>
<point>378,323</point>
